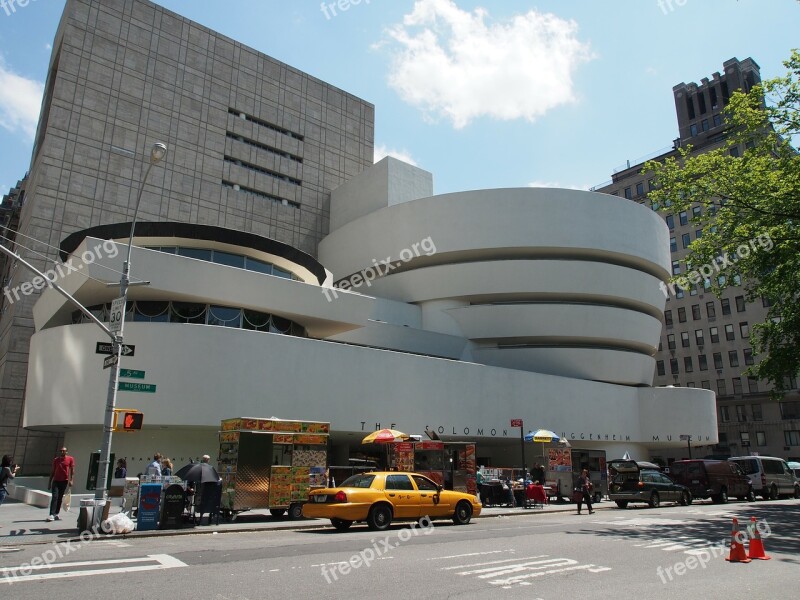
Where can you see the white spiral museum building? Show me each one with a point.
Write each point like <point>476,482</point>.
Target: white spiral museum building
<point>451,314</point>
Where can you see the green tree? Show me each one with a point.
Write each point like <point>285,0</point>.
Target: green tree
<point>748,191</point>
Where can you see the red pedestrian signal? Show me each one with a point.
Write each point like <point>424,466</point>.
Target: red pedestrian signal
<point>129,421</point>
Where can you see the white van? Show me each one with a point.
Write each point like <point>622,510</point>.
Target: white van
<point>771,476</point>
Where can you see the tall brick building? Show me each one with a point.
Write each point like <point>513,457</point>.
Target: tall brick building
<point>705,340</point>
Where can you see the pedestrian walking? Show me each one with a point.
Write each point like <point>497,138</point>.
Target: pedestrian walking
<point>61,476</point>
<point>154,468</point>
<point>122,469</point>
<point>8,471</point>
<point>166,467</point>
<point>583,491</point>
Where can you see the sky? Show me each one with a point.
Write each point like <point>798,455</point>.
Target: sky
<point>482,93</point>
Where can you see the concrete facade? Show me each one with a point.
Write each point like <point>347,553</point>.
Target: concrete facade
<point>254,145</point>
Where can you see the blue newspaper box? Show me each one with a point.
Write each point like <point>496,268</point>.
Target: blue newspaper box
<point>149,506</point>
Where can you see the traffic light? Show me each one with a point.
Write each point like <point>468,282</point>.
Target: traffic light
<point>129,420</point>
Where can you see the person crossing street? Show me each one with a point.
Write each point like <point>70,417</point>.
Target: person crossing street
<point>61,476</point>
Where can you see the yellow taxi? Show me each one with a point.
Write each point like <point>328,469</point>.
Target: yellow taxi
<point>385,496</point>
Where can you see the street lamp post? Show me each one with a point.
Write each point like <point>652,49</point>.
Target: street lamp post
<point>157,153</point>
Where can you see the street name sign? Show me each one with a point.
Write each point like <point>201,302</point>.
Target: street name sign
<point>131,374</point>
<point>110,361</point>
<point>130,386</point>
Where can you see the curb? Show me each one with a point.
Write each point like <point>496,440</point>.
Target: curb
<point>295,525</point>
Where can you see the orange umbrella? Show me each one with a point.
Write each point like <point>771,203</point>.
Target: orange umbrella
<point>385,436</point>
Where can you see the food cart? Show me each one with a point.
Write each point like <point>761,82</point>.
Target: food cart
<point>564,466</point>
<point>271,464</point>
<point>450,464</point>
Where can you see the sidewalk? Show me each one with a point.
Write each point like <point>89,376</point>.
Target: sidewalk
<point>22,524</point>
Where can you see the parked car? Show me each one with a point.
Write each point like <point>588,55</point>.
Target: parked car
<point>771,476</point>
<point>384,496</point>
<point>795,467</point>
<point>715,479</point>
<point>632,481</point>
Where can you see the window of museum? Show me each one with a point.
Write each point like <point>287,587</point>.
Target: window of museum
<point>741,415</point>
<point>696,312</point>
<point>718,360</point>
<point>752,385</point>
<point>726,306</point>
<point>698,337</point>
<point>733,358</point>
<point>684,217</point>
<point>660,368</point>
<point>740,306</point>
<point>724,417</point>
<point>686,239</point>
<point>684,339</point>
<point>737,386</point>
<point>673,366</point>
<point>705,384</point>
<point>703,362</point>
<point>687,364</point>
<point>676,267</point>
<point>668,318</point>
<point>671,341</point>
<point>761,438</point>
<point>758,415</point>
<point>744,329</point>
<point>729,333</point>
<point>682,314</point>
<point>673,244</point>
<point>628,193</point>
<point>792,438</point>
<point>711,310</point>
<point>670,222</point>
<point>744,436</point>
<point>714,331</point>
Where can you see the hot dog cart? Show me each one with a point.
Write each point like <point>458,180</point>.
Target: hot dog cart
<point>271,463</point>
<point>450,464</point>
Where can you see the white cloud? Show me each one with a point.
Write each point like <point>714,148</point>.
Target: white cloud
<point>381,151</point>
<point>20,100</point>
<point>555,184</point>
<point>459,65</point>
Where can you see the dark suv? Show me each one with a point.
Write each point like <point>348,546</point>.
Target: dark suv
<point>715,479</point>
<point>630,481</point>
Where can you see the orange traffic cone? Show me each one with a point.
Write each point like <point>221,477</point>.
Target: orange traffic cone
<point>756,545</point>
<point>737,553</point>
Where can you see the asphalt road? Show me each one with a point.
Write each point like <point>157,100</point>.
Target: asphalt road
<point>669,552</point>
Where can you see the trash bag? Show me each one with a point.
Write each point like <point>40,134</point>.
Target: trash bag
<point>67,499</point>
<point>119,523</point>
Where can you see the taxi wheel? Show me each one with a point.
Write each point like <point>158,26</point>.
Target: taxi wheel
<point>463,513</point>
<point>380,517</point>
<point>341,524</point>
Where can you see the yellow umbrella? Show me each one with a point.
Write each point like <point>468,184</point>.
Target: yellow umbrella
<point>385,436</point>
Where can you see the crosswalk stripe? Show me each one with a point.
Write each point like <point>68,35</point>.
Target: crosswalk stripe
<point>493,562</point>
<point>162,561</point>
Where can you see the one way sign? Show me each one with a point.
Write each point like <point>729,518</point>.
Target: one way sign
<point>106,348</point>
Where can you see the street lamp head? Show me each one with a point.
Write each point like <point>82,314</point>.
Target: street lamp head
<point>158,152</point>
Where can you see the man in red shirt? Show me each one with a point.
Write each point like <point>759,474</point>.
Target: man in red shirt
<point>60,478</point>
